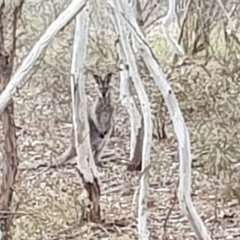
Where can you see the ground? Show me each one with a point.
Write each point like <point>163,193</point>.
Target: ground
<point>47,200</point>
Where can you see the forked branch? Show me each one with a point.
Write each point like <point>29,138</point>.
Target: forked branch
<point>184,191</point>
<point>168,24</point>
<point>145,107</point>
<point>126,98</point>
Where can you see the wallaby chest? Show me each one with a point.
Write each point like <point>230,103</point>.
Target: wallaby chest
<point>100,116</point>
<point>103,115</point>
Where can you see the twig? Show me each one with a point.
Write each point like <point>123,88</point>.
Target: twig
<point>169,212</point>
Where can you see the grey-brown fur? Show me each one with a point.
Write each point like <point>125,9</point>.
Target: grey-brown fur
<point>100,117</point>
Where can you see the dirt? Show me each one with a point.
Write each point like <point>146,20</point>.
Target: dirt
<point>47,201</point>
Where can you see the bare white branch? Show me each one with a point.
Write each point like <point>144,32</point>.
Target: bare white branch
<point>126,98</point>
<point>84,158</point>
<point>129,103</point>
<point>136,6</point>
<point>170,23</point>
<point>180,128</point>
<point>75,7</point>
<point>145,106</point>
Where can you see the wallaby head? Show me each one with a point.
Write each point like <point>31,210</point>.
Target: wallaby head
<point>103,85</point>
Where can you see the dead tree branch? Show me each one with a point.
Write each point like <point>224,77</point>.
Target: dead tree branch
<point>85,162</point>
<point>74,8</point>
<point>145,106</point>
<point>184,191</point>
<point>169,23</point>
<point>127,99</point>
<point>184,21</point>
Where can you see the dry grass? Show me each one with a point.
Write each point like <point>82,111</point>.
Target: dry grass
<point>47,201</point>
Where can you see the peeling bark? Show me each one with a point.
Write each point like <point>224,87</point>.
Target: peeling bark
<point>10,162</point>
<point>136,164</point>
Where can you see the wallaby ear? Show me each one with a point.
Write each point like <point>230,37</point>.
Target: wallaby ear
<point>97,78</point>
<point>108,77</point>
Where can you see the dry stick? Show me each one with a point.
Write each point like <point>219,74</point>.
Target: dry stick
<point>152,22</point>
<point>184,21</point>
<point>145,6</point>
<point>75,7</point>
<point>85,162</point>
<point>86,166</point>
<point>184,191</point>
<point>149,14</point>
<point>131,61</point>
<point>127,99</point>
<point>183,25</point>
<point>169,212</point>
<point>179,42</point>
<point>166,21</point>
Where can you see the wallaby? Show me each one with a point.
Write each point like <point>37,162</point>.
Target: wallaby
<point>100,117</point>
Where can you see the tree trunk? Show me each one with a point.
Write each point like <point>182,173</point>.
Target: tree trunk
<point>136,163</point>
<point>86,165</point>
<point>10,162</point>
<point>10,159</point>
